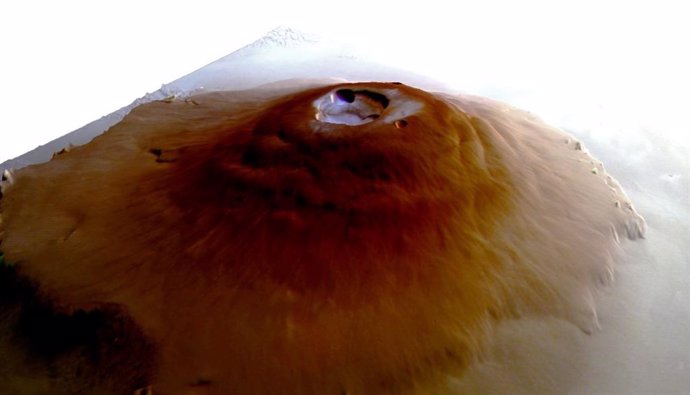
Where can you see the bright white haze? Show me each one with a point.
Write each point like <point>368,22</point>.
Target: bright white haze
<point>67,63</point>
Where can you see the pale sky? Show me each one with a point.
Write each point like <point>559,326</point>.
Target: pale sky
<point>67,63</point>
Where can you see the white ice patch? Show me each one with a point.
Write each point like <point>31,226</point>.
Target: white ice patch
<point>403,106</point>
<point>352,106</point>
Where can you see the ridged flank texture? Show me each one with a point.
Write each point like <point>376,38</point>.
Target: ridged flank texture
<point>356,238</point>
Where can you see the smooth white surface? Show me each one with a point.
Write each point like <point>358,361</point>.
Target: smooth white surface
<point>70,62</point>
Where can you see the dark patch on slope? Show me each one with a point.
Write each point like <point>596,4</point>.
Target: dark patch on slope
<point>85,351</point>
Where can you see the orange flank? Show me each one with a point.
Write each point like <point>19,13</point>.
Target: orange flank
<point>345,239</point>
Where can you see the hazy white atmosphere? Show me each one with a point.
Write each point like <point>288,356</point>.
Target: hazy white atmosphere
<point>613,74</point>
<point>69,63</point>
